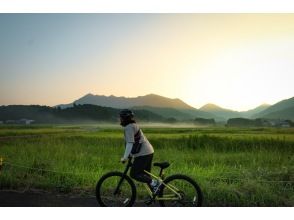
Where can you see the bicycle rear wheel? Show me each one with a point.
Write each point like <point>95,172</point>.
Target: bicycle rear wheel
<point>186,192</point>
<point>112,190</point>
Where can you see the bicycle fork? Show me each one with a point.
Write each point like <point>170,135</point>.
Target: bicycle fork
<point>123,177</point>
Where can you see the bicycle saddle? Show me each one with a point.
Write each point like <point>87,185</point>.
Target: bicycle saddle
<point>162,165</point>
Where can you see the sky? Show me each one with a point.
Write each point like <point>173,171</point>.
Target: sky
<point>236,61</point>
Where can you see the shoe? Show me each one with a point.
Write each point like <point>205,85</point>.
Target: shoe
<point>154,186</point>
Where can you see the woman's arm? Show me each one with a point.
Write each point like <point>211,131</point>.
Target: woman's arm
<point>128,150</point>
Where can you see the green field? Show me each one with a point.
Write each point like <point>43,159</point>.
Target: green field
<point>234,167</point>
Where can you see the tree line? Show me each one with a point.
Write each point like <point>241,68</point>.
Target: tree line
<point>77,113</point>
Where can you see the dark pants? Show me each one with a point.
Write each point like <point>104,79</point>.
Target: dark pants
<point>139,165</point>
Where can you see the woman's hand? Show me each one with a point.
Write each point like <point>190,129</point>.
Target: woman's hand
<point>123,160</point>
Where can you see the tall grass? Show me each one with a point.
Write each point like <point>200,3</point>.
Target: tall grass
<point>233,167</point>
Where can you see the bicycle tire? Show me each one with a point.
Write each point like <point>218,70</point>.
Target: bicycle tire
<point>171,178</point>
<point>112,174</point>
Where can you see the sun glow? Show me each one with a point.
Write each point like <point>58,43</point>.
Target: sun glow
<point>243,77</point>
<point>237,61</point>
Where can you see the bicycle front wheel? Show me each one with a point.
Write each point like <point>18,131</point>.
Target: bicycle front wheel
<point>180,190</point>
<point>115,189</point>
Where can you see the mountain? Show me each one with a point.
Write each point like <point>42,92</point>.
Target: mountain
<point>166,112</point>
<point>286,114</point>
<point>123,102</point>
<point>179,114</point>
<point>225,114</point>
<point>196,113</point>
<point>166,107</point>
<point>177,109</point>
<point>252,112</point>
<point>280,110</point>
<point>219,112</point>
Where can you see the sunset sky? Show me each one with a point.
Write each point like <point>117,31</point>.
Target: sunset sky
<point>237,61</point>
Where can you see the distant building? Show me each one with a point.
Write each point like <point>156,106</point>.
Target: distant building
<point>284,124</point>
<point>265,123</point>
<point>272,123</point>
<point>280,123</point>
<point>20,121</point>
<point>259,122</point>
<point>10,122</point>
<point>26,121</point>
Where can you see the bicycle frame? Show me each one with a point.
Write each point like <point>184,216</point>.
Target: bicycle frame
<point>169,186</point>
<point>121,189</point>
<point>153,196</point>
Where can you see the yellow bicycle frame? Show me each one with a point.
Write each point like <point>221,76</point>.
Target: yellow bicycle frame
<point>171,187</point>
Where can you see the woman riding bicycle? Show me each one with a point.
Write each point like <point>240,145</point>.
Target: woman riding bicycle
<point>137,146</point>
<point>118,189</point>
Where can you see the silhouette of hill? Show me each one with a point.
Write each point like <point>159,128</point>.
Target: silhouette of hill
<point>220,113</point>
<point>123,102</point>
<point>280,110</point>
<point>166,107</point>
<point>75,114</point>
<point>285,114</point>
<point>179,110</point>
<point>252,112</point>
<point>225,114</point>
<point>179,114</point>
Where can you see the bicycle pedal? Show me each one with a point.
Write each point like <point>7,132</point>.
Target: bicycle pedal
<point>148,202</point>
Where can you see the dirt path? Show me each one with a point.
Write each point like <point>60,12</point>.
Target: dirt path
<point>46,199</point>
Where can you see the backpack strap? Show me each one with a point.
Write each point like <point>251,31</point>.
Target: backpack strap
<point>137,136</point>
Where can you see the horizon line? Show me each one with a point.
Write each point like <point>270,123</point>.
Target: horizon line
<point>198,108</point>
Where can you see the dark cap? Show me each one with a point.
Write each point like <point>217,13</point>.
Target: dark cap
<point>126,113</point>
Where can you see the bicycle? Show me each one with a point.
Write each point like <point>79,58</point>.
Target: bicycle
<point>118,189</point>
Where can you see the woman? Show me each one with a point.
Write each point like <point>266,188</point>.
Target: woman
<point>143,158</point>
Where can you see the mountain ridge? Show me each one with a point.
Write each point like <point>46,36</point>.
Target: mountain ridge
<point>221,113</point>
<point>279,109</point>
<point>280,105</point>
<point>126,102</point>
<point>178,109</point>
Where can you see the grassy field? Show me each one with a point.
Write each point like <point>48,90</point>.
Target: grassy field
<point>234,167</point>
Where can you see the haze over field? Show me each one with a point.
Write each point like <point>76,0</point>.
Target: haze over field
<point>236,61</point>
